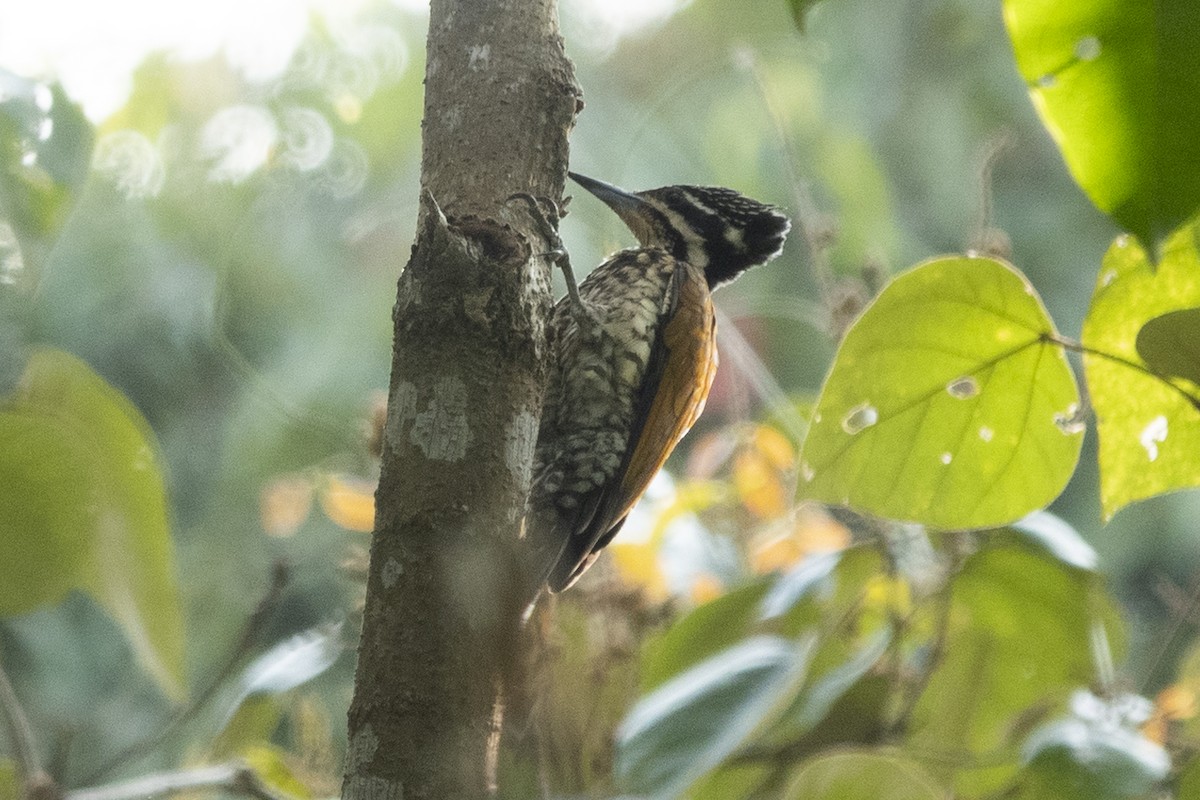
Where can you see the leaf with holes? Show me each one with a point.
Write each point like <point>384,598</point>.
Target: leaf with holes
<point>1149,426</point>
<point>1115,83</point>
<point>948,402</point>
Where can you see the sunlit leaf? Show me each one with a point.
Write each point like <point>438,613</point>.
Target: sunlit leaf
<point>637,563</point>
<point>812,531</point>
<point>1170,344</point>
<point>689,725</point>
<point>84,508</point>
<point>253,722</point>
<point>349,502</point>
<point>284,504</point>
<point>1114,82</point>
<point>862,775</point>
<point>1149,429</point>
<point>947,404</point>
<point>272,767</point>
<point>1092,757</point>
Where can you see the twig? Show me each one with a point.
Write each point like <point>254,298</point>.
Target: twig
<point>251,631</point>
<point>16,724</point>
<point>235,778</point>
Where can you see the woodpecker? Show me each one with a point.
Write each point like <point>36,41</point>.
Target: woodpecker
<point>634,358</point>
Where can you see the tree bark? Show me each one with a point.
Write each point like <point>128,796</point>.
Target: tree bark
<point>444,593</point>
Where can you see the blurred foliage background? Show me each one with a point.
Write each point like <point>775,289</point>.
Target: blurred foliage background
<point>223,250</point>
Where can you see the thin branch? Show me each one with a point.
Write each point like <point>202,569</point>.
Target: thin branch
<point>235,778</point>
<point>20,734</point>
<point>251,632</point>
<point>945,606</point>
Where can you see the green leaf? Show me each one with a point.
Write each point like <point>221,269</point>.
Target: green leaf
<point>688,726</point>
<point>998,676</point>
<point>1117,85</point>
<point>83,507</point>
<point>1149,429</point>
<point>1093,756</point>
<point>1170,344</point>
<point>862,775</point>
<point>947,403</point>
<point>703,632</point>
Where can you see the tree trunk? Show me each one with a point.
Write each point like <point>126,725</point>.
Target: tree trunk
<point>444,593</point>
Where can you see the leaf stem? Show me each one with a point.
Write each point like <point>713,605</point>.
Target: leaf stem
<point>1079,347</point>
<point>20,735</point>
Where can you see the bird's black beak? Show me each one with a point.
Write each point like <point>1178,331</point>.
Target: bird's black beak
<point>617,199</point>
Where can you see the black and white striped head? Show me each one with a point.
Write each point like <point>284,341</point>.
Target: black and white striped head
<point>715,230</point>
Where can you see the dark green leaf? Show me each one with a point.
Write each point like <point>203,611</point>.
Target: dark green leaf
<point>1117,84</point>
<point>1149,430</point>
<point>1170,344</point>
<point>689,725</point>
<point>947,404</point>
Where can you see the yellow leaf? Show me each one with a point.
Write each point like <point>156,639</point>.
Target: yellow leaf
<point>706,587</point>
<point>818,532</point>
<point>759,486</point>
<point>284,504</point>
<point>812,531</point>
<point>271,766</point>
<point>775,447</point>
<point>775,554</point>
<point>637,563</point>
<point>349,502</point>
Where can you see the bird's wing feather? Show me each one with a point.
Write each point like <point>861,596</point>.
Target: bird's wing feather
<point>678,377</point>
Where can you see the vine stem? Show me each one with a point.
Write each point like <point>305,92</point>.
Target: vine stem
<point>1079,347</point>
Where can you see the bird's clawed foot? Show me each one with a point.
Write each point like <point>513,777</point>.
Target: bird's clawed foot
<point>538,207</point>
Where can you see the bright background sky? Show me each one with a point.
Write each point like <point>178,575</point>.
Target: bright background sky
<point>94,47</point>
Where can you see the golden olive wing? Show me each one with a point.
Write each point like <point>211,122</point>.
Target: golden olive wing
<point>690,340</point>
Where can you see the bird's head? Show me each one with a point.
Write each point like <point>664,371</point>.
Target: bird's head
<point>715,230</point>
